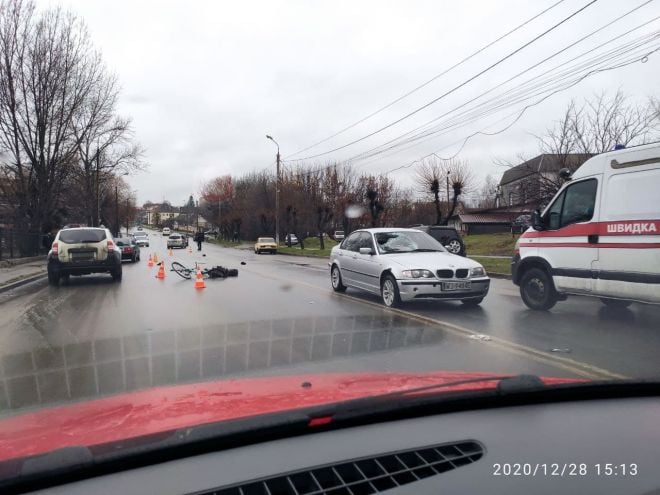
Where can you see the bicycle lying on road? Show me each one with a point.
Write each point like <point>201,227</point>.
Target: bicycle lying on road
<point>214,272</point>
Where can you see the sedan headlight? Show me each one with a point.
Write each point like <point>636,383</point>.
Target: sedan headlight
<point>478,272</point>
<point>416,274</point>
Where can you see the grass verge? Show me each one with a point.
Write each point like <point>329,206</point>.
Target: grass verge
<point>495,265</point>
<point>501,244</point>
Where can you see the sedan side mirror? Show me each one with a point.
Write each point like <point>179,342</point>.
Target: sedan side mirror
<point>537,220</point>
<point>365,250</point>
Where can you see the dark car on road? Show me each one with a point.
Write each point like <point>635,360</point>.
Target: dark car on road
<point>130,250</point>
<point>81,251</point>
<point>445,235</point>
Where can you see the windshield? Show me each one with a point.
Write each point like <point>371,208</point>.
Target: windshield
<point>522,138</point>
<point>406,242</point>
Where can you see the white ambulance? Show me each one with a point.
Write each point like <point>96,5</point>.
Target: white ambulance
<point>599,236</point>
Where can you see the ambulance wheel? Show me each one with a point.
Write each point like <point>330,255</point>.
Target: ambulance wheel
<point>537,290</point>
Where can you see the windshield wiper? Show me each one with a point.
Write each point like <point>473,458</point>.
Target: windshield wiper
<point>422,250</point>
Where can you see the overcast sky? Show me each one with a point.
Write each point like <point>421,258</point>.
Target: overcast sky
<point>204,82</point>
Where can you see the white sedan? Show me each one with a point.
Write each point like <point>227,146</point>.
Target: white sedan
<point>405,264</point>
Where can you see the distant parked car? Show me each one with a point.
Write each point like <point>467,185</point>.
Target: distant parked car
<point>265,244</point>
<point>445,235</point>
<point>176,241</point>
<point>141,238</point>
<point>521,223</point>
<point>130,250</point>
<point>291,239</point>
<point>339,235</point>
<point>166,231</point>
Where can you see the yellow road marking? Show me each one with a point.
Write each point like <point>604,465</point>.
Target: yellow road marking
<point>580,368</point>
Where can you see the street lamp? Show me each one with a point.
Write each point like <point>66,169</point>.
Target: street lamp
<point>277,194</point>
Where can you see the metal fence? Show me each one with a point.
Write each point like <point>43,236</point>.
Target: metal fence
<point>20,244</point>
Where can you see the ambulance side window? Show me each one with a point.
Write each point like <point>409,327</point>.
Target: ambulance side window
<point>553,217</point>
<point>579,202</point>
<point>575,204</point>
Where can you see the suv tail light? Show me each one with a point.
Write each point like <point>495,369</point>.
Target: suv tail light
<point>111,245</point>
<point>55,247</point>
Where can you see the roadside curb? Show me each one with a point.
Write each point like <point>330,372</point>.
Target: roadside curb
<point>23,281</point>
<point>20,261</point>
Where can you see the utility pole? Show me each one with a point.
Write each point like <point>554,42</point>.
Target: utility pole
<point>277,194</point>
<point>127,210</point>
<point>448,208</point>
<point>98,193</point>
<point>117,226</point>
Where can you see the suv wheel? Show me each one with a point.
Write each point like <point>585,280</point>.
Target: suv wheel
<point>116,274</point>
<point>53,278</point>
<point>389,291</point>
<point>537,290</point>
<point>456,246</point>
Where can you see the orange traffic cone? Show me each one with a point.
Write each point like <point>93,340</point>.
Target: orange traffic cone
<point>155,258</point>
<point>199,280</point>
<point>161,270</point>
<point>150,263</point>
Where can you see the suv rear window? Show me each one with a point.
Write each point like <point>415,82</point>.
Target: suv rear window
<point>78,236</point>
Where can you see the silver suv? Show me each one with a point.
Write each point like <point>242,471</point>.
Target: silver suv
<point>84,250</point>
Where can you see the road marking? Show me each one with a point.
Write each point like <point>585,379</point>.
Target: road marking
<point>580,368</point>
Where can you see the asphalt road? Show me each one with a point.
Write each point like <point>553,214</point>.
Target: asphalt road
<point>94,337</point>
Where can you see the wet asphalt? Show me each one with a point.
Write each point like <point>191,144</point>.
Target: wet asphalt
<point>94,337</point>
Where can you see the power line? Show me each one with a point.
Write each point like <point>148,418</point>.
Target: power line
<point>523,72</point>
<point>434,78</point>
<point>613,54</point>
<point>464,141</point>
<point>477,112</point>
<point>435,100</point>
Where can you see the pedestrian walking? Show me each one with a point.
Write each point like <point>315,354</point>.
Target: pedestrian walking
<point>199,237</point>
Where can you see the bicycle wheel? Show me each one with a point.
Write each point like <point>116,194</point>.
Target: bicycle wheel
<point>181,270</point>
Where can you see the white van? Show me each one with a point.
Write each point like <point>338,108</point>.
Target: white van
<point>599,236</point>
<point>166,231</point>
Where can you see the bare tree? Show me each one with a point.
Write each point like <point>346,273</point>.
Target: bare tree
<point>433,173</point>
<point>598,125</point>
<point>488,192</point>
<point>430,174</point>
<point>55,99</point>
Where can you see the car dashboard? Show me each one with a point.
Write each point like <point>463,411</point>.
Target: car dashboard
<point>596,446</point>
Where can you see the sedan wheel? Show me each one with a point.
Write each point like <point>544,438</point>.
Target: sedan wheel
<point>335,278</point>
<point>389,291</point>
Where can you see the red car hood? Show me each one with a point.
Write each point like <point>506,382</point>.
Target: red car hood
<point>163,409</point>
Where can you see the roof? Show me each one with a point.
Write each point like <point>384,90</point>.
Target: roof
<point>503,217</point>
<point>546,162</point>
<point>375,230</point>
<point>649,151</point>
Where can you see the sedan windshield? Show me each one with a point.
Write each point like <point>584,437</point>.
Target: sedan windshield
<point>406,242</point>
<point>266,239</point>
